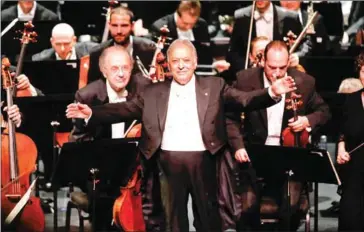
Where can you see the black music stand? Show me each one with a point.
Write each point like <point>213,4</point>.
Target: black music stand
<point>113,159</point>
<point>292,163</point>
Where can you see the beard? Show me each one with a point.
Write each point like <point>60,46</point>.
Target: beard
<point>124,42</point>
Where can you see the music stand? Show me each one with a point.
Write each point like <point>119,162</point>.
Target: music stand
<point>292,163</point>
<point>114,161</point>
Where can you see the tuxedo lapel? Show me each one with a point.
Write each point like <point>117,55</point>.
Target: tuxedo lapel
<point>202,99</point>
<point>162,103</point>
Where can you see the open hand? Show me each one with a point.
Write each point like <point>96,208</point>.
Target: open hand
<point>283,85</point>
<point>221,65</point>
<point>78,110</point>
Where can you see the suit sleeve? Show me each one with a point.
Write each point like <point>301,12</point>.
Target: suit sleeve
<point>117,112</point>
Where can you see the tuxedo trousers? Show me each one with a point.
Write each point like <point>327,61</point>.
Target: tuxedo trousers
<point>187,173</point>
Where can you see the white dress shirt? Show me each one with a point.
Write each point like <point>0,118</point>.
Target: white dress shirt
<point>117,129</point>
<point>29,16</point>
<point>264,22</point>
<point>182,130</point>
<point>184,34</point>
<point>274,119</point>
<point>72,56</point>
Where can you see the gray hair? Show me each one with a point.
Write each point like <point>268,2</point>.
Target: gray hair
<point>350,85</point>
<point>107,51</point>
<point>179,42</point>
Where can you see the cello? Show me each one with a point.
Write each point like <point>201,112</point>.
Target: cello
<point>19,210</point>
<point>127,209</point>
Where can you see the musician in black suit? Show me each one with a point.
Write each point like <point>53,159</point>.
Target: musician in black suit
<point>186,23</point>
<point>183,128</point>
<point>64,45</point>
<point>319,41</point>
<point>264,127</point>
<point>351,217</point>
<point>270,20</point>
<point>121,28</point>
<point>28,11</point>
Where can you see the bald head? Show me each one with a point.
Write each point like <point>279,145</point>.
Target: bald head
<point>63,39</point>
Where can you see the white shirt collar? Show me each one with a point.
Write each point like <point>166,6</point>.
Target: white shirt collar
<point>73,55</point>
<point>24,16</point>
<point>183,34</point>
<point>113,95</point>
<point>267,15</point>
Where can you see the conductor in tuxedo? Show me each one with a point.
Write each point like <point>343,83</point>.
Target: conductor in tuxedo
<point>28,10</point>
<point>184,128</point>
<point>265,126</point>
<point>271,21</point>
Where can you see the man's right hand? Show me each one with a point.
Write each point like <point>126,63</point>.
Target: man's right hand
<point>342,157</point>
<point>78,110</point>
<point>241,155</point>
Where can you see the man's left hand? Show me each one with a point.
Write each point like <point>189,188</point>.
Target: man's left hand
<point>23,82</point>
<point>294,60</point>
<point>301,124</point>
<point>221,65</point>
<point>14,114</point>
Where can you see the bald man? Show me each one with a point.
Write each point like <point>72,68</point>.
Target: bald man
<point>64,45</point>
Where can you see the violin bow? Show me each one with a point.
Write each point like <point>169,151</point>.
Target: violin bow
<point>356,148</point>
<point>250,35</point>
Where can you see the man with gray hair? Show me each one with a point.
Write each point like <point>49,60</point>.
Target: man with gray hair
<point>64,45</point>
<point>184,130</point>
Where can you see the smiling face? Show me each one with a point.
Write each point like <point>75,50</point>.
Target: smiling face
<point>116,68</point>
<point>182,61</point>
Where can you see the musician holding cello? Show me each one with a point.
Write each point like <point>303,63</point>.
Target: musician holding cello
<point>266,127</point>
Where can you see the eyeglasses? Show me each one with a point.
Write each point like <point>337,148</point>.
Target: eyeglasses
<point>116,69</point>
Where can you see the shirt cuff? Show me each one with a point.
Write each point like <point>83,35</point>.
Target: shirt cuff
<point>273,96</point>
<point>33,91</point>
<point>87,119</point>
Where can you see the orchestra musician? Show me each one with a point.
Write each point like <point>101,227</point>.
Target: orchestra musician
<point>28,10</point>
<point>186,23</point>
<point>351,162</point>
<point>264,127</point>
<point>270,20</point>
<point>118,85</point>
<point>185,144</point>
<point>64,45</point>
<point>121,29</point>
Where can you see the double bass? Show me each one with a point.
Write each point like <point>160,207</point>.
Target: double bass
<point>19,210</point>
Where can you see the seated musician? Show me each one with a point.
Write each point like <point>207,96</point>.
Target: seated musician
<point>264,18</point>
<point>121,28</point>
<point>319,39</point>
<point>64,45</point>
<point>186,23</point>
<point>28,10</point>
<point>118,85</point>
<point>265,127</point>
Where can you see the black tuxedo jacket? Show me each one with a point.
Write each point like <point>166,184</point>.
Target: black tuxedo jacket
<point>255,126</point>
<point>41,14</point>
<point>151,107</point>
<point>200,32</point>
<point>284,21</point>
<point>82,49</point>
<point>95,94</point>
<point>142,47</point>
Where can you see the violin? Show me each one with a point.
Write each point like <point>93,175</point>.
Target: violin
<point>289,137</point>
<point>127,209</point>
<point>19,210</point>
<point>157,71</point>
<point>112,5</point>
<point>257,60</point>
